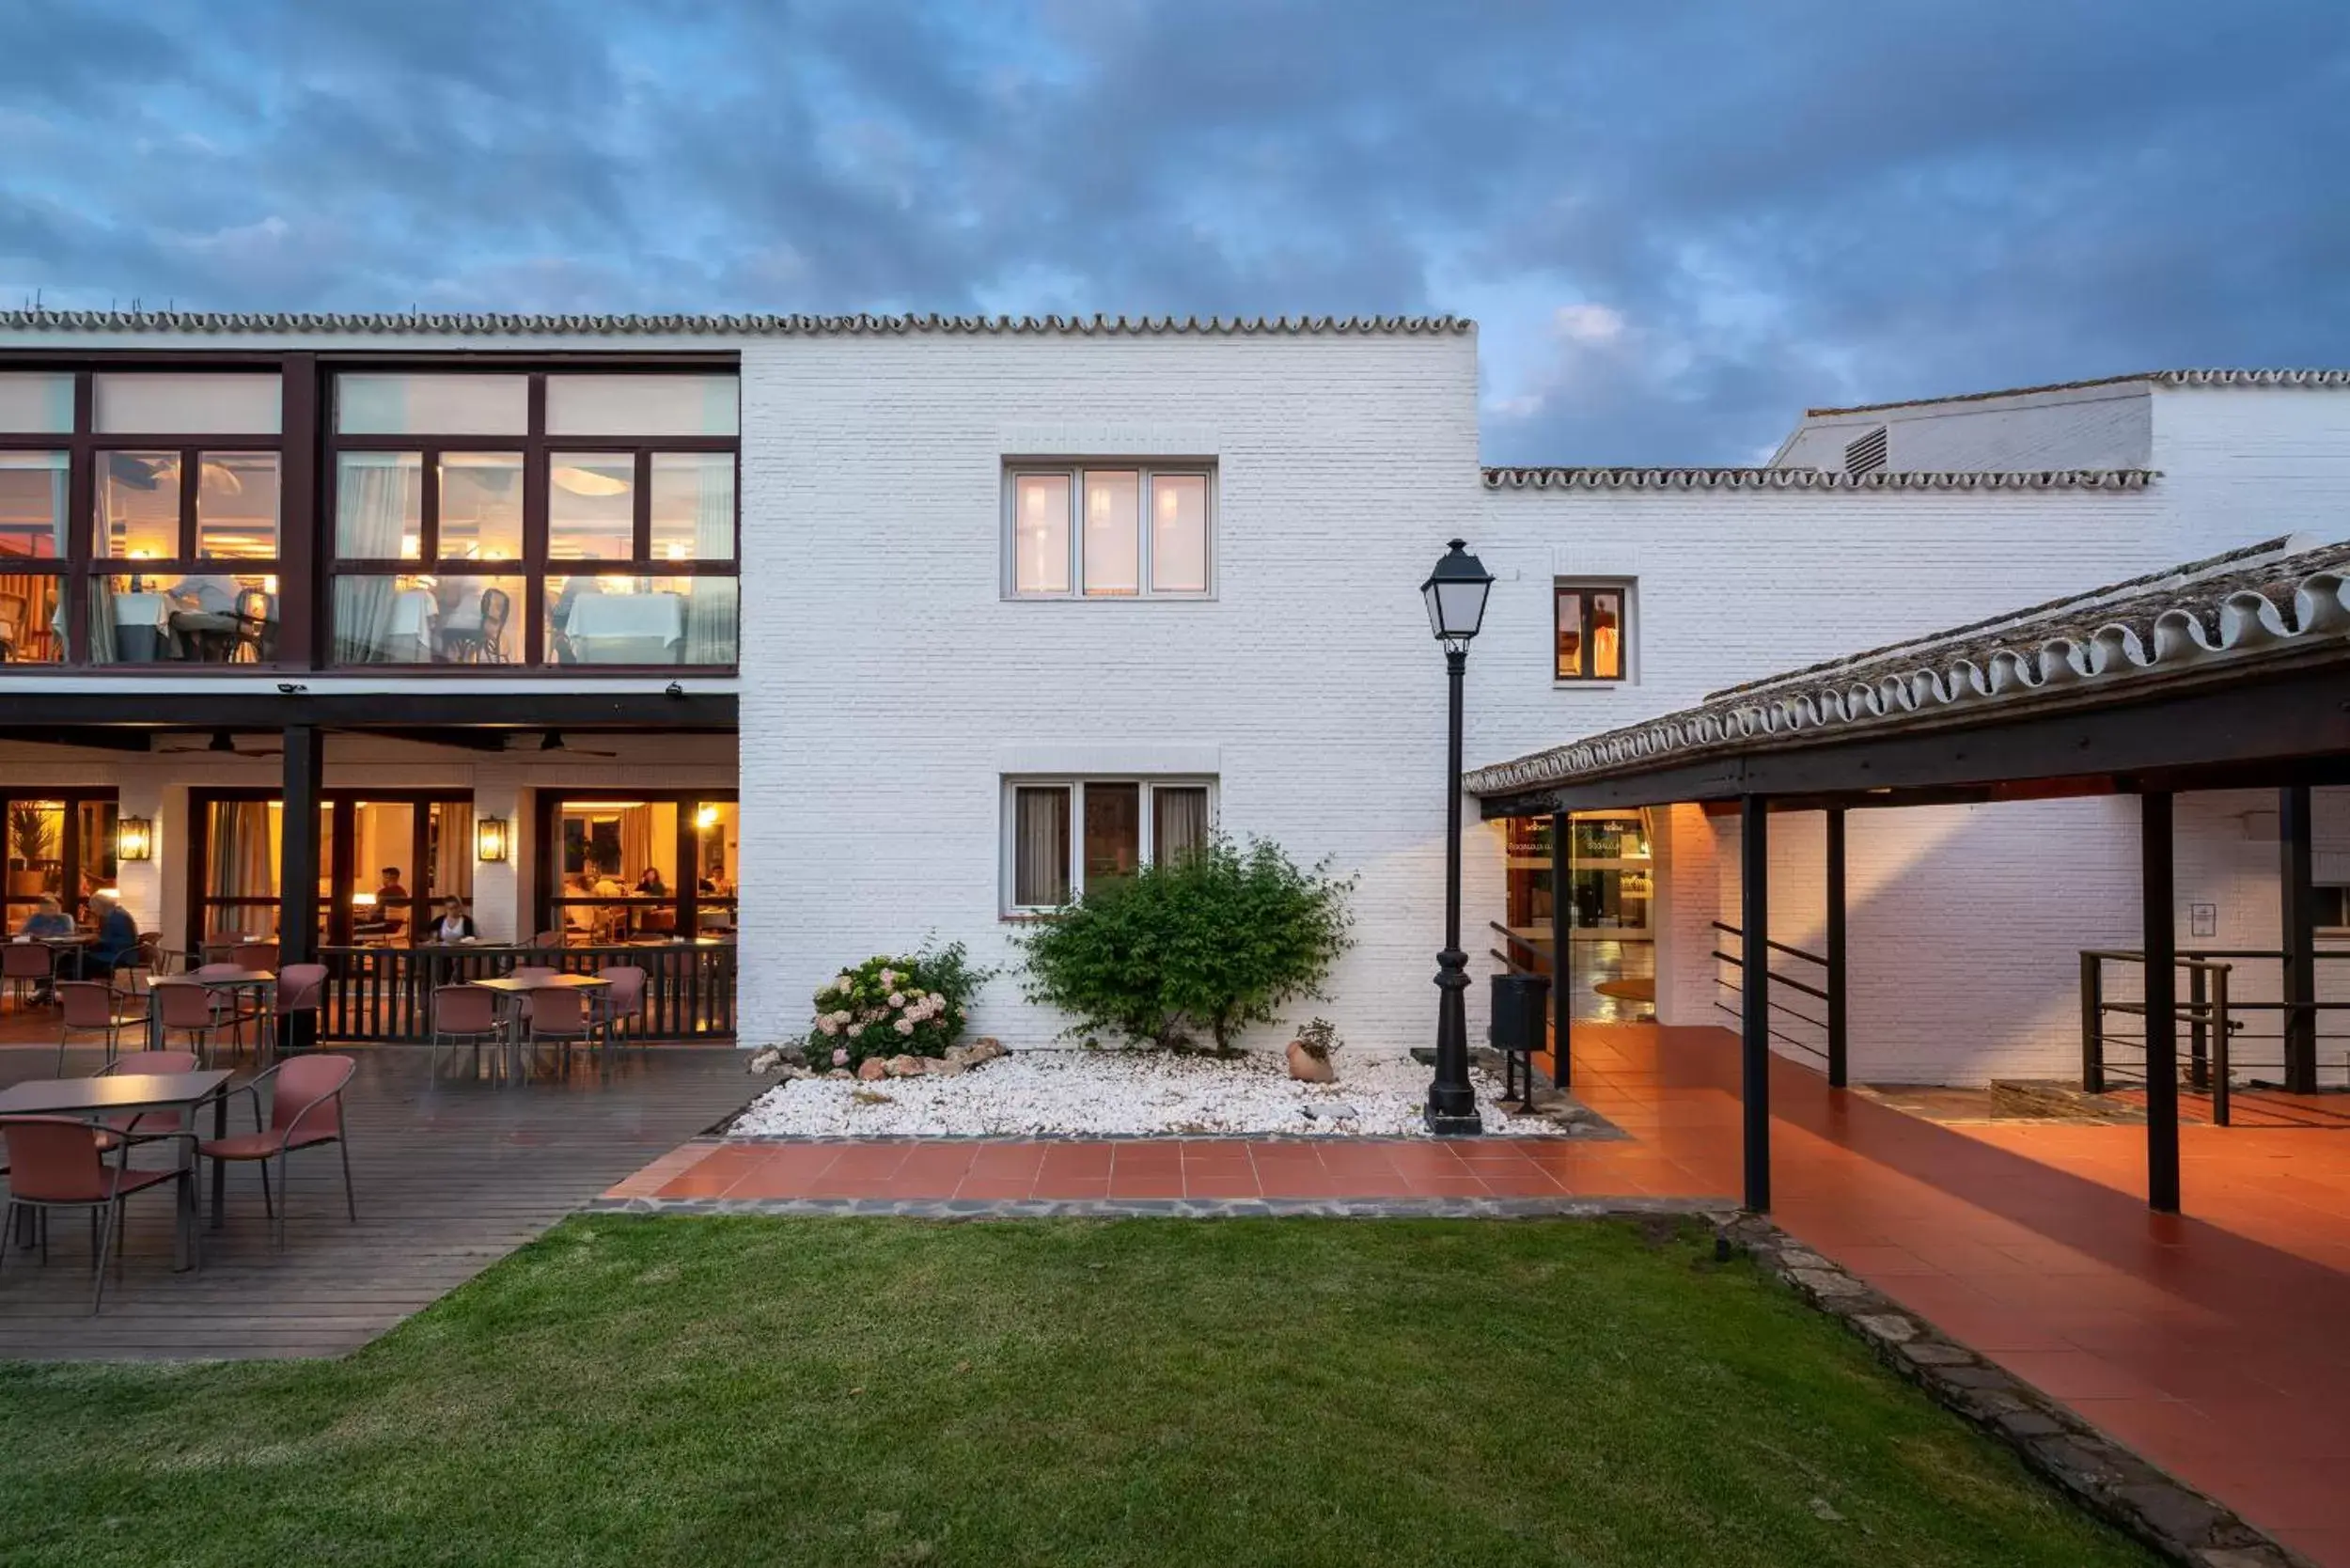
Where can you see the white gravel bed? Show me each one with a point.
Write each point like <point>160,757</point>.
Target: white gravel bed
<point>1119,1093</point>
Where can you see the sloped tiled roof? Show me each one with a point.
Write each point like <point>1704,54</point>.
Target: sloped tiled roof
<point>2286,377</point>
<point>2277,600</point>
<point>445,324</point>
<point>1815,478</point>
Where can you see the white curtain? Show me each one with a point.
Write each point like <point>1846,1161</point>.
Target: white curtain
<point>711,611</point>
<point>1179,822</point>
<point>371,514</point>
<point>1040,848</point>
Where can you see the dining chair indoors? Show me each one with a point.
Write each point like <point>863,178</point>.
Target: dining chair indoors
<point>306,1111</point>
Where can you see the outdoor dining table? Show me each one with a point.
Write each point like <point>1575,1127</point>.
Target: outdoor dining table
<point>94,1098</point>
<point>514,991</point>
<point>230,980</point>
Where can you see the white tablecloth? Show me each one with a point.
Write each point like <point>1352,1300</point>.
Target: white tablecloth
<point>142,609</point>
<point>658,615</point>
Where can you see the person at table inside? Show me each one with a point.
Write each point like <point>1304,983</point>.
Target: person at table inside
<point>204,612</point>
<point>117,940</point>
<point>650,883</point>
<point>454,925</point>
<point>391,900</point>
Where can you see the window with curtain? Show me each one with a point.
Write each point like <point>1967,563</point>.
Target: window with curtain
<point>535,519</point>
<point>658,866</point>
<point>174,555</point>
<point>1109,530</point>
<point>1062,835</point>
<point>1592,623</point>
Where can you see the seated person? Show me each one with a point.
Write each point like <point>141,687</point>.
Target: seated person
<point>391,900</point>
<point>117,938</point>
<point>48,919</point>
<point>204,613</point>
<point>454,925</point>
<point>650,883</point>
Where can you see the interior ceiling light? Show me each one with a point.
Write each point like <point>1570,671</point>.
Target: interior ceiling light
<point>587,482</point>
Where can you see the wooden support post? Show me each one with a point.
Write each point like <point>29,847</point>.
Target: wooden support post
<point>298,845</point>
<point>1837,1032</point>
<point>1562,951</point>
<point>2161,940</point>
<point>2296,903</point>
<point>2093,1024</point>
<point>1754,998</point>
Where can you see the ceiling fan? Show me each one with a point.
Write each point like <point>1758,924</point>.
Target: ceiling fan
<point>223,743</point>
<point>552,740</point>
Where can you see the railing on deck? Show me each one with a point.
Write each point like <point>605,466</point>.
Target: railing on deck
<point>385,994</point>
<point>1826,1051</point>
<point>1538,965</point>
<point>2210,1013</point>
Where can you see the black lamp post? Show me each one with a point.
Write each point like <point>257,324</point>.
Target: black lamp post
<point>1455,592</point>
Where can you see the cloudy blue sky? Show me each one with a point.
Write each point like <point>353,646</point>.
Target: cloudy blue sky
<point>1677,223</point>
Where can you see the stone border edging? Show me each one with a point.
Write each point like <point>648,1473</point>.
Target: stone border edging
<point>2095,1472</point>
<point>1175,1208</point>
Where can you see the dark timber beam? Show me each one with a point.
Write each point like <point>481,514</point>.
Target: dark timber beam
<point>298,845</point>
<point>2161,940</point>
<point>468,740</point>
<point>2240,728</point>
<point>2296,903</point>
<point>1562,951</point>
<point>1754,997</point>
<point>257,711</point>
<point>1836,1034</point>
<point>98,740</point>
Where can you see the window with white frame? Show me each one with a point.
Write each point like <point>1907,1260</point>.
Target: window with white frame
<point>1109,530</point>
<point>1062,835</point>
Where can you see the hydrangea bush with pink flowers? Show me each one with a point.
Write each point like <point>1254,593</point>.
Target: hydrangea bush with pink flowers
<point>909,1005</point>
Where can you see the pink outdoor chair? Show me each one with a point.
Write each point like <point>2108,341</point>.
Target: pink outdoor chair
<point>55,1163</point>
<point>560,1014</point>
<point>254,955</point>
<point>623,1002</point>
<point>27,967</point>
<point>188,1011</point>
<point>88,1007</point>
<point>300,988</point>
<point>463,1015</point>
<point>144,1126</point>
<point>305,1109</point>
<point>239,1006</point>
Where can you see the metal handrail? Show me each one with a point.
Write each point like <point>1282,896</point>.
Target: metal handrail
<point>1778,981</point>
<point>1775,947</point>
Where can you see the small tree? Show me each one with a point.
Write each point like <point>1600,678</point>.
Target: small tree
<point>1220,938</point>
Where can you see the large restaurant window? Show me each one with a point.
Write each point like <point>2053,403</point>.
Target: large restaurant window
<point>1062,835</point>
<point>60,845</point>
<point>139,516</point>
<point>535,519</point>
<point>386,858</point>
<point>1609,883</point>
<point>653,866</point>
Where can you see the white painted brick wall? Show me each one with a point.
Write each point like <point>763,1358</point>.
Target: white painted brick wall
<point>887,680</point>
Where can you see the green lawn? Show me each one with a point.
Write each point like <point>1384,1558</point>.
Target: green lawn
<point>838,1390</point>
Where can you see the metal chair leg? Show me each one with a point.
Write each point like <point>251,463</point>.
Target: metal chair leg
<point>268,1208</point>
<point>105,1233</point>
<point>351,1201</point>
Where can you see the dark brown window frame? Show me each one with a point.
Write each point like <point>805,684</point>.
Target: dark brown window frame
<point>685,898</point>
<point>339,859</point>
<point>13,907</point>
<point>1622,588</point>
<point>81,566</point>
<point>535,565</point>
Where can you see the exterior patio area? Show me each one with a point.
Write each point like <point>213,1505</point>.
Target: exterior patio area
<point>2209,1341</point>
<point>452,1171</point>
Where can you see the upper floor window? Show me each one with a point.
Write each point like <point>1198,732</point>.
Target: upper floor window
<point>1109,531</point>
<point>139,516</point>
<point>535,519</point>
<point>1592,627</point>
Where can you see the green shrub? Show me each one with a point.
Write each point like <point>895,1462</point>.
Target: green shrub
<point>1218,939</point>
<point>886,1006</point>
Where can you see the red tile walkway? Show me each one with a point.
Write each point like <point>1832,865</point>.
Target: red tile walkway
<point>2216,1343</point>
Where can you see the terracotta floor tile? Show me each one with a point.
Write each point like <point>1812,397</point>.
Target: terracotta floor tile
<point>1219,1182</point>
<point>1145,1183</point>
<point>993,1188</point>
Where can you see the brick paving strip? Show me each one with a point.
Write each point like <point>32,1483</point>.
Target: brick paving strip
<point>1177,1208</point>
<point>2095,1472</point>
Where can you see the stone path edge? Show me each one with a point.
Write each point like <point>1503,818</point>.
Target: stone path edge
<point>2093,1470</point>
<point>1176,1208</point>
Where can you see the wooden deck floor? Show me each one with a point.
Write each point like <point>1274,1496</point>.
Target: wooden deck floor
<point>452,1173</point>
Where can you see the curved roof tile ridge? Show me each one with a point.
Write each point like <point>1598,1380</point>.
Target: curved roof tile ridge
<point>1816,478</point>
<point>501,323</point>
<point>2248,605</point>
<point>2307,379</point>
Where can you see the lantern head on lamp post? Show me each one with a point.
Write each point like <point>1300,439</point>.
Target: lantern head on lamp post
<point>1455,592</point>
